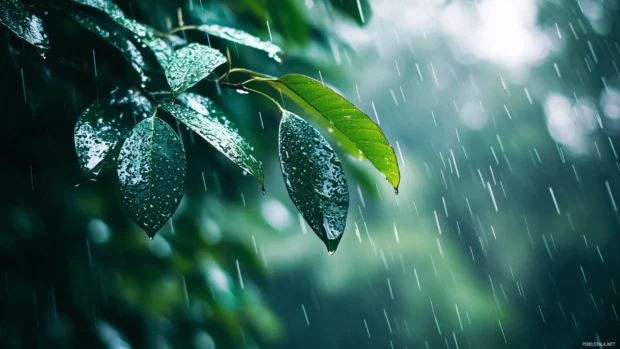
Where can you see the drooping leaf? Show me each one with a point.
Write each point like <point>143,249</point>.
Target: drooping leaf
<point>151,172</point>
<point>314,178</point>
<point>242,38</point>
<point>16,16</point>
<point>355,131</point>
<point>358,10</point>
<point>202,116</point>
<point>129,51</point>
<point>191,64</point>
<point>101,129</point>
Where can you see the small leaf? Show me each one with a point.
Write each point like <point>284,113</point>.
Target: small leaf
<point>129,51</point>
<point>242,38</point>
<point>16,16</point>
<point>314,179</point>
<point>151,172</point>
<point>350,126</point>
<point>191,64</point>
<point>102,128</point>
<point>202,116</point>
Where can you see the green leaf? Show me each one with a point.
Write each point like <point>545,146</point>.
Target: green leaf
<point>142,33</point>
<point>191,64</point>
<point>242,38</point>
<point>314,179</point>
<point>151,172</point>
<point>16,16</point>
<point>129,51</point>
<point>101,129</point>
<point>202,116</point>
<point>359,10</point>
<point>353,129</point>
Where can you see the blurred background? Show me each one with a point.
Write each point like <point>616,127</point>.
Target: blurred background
<point>505,118</point>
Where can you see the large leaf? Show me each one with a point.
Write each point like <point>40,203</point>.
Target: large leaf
<point>151,172</point>
<point>202,116</point>
<point>350,126</point>
<point>242,38</point>
<point>191,64</point>
<point>314,179</point>
<point>16,16</point>
<point>129,51</point>
<point>102,128</point>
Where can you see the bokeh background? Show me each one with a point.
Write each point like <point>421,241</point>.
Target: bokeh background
<point>504,116</point>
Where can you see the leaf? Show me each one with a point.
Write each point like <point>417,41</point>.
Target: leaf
<point>242,38</point>
<point>101,129</point>
<point>350,126</point>
<point>151,172</point>
<point>191,64</point>
<point>16,16</point>
<point>129,51</point>
<point>142,33</point>
<point>107,6</point>
<point>359,10</point>
<point>202,116</point>
<point>314,179</point>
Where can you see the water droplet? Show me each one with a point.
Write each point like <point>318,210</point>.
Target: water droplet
<point>262,189</point>
<point>396,191</point>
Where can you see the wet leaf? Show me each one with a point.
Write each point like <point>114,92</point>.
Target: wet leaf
<point>202,116</point>
<point>101,129</point>
<point>191,64</point>
<point>355,131</point>
<point>16,16</point>
<point>151,172</point>
<point>143,34</point>
<point>314,178</point>
<point>129,51</point>
<point>107,6</point>
<point>242,38</point>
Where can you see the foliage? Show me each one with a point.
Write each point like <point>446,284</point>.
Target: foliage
<point>128,128</point>
<point>188,66</point>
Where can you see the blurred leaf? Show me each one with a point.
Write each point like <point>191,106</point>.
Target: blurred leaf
<point>151,172</point>
<point>288,20</point>
<point>314,179</point>
<point>129,51</point>
<point>355,131</point>
<point>15,16</point>
<point>202,116</point>
<point>242,38</point>
<point>191,64</point>
<point>358,10</point>
<point>101,129</point>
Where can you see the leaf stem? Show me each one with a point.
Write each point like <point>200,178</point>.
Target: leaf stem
<point>264,95</point>
<point>186,27</point>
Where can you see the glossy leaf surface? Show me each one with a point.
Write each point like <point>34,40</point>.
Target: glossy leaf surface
<point>16,16</point>
<point>314,178</point>
<point>102,128</point>
<point>151,172</point>
<point>202,116</point>
<point>243,38</point>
